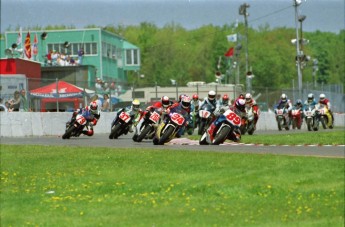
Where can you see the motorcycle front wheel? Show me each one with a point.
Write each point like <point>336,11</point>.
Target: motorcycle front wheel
<point>68,133</point>
<point>115,131</point>
<point>165,137</point>
<point>143,133</point>
<point>221,136</point>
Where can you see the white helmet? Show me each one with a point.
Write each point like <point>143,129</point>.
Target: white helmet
<point>93,107</point>
<point>310,97</point>
<point>283,97</point>
<point>211,95</point>
<point>248,97</point>
<point>322,96</point>
<point>185,102</point>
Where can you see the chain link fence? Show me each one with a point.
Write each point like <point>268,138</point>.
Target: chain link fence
<point>55,98</point>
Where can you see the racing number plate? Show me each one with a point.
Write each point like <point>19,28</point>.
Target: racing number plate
<point>154,117</point>
<point>125,117</point>
<point>232,118</point>
<point>177,118</point>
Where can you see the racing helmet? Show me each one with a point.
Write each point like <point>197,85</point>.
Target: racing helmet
<point>165,101</point>
<point>185,103</point>
<point>195,97</point>
<point>225,99</point>
<point>135,104</point>
<point>299,102</point>
<point>283,97</point>
<point>240,104</point>
<point>322,97</point>
<point>310,98</point>
<point>241,96</point>
<point>248,98</point>
<point>211,95</point>
<point>93,107</point>
<point>180,97</point>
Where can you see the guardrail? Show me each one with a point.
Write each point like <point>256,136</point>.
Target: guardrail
<point>24,124</point>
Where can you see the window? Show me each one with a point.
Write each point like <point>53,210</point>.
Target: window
<point>89,48</point>
<point>110,51</point>
<point>132,57</point>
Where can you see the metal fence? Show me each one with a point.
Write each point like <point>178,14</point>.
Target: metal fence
<point>122,94</point>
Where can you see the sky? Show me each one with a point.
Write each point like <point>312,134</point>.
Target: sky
<point>322,15</point>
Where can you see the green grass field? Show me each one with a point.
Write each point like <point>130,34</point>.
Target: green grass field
<point>65,186</point>
<point>326,137</point>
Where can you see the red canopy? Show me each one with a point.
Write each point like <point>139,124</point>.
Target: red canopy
<point>65,90</point>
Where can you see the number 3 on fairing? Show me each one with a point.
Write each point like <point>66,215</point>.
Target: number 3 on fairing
<point>232,117</point>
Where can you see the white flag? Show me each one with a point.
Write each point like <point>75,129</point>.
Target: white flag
<point>232,38</point>
<point>19,38</point>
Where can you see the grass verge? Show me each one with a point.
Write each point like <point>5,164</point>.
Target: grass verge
<point>54,186</point>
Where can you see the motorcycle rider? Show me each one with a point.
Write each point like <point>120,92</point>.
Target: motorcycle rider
<point>310,100</point>
<point>285,102</point>
<point>239,109</point>
<point>210,99</point>
<point>250,102</point>
<point>224,105</point>
<point>161,105</point>
<point>93,108</point>
<point>299,105</point>
<point>195,106</point>
<point>324,101</point>
<point>183,108</point>
<point>136,113</point>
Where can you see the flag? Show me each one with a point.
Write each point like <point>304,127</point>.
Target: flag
<point>35,47</point>
<point>27,48</point>
<point>230,52</point>
<point>19,38</point>
<point>232,38</point>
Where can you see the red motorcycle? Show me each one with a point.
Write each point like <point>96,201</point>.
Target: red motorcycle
<point>296,117</point>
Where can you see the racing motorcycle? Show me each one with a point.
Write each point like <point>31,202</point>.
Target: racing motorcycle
<point>147,127</point>
<point>247,122</point>
<point>75,127</point>
<point>282,118</point>
<point>230,123</point>
<point>296,117</point>
<point>324,116</point>
<point>205,117</point>
<point>310,118</point>
<point>122,123</point>
<point>167,130</point>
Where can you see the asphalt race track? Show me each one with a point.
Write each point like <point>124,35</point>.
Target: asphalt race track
<point>102,140</point>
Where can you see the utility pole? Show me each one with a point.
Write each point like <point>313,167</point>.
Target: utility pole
<point>298,54</point>
<point>243,11</point>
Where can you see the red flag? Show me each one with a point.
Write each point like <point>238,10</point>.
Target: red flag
<point>230,52</point>
<point>35,47</point>
<point>27,49</point>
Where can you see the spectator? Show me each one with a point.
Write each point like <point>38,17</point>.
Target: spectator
<point>106,104</point>
<point>24,103</point>
<point>80,56</point>
<point>15,103</point>
<point>98,85</point>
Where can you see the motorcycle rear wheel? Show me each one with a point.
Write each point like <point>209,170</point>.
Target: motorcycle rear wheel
<point>221,136</point>
<point>68,133</point>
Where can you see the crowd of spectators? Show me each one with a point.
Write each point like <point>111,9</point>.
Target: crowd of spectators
<point>55,58</point>
<point>18,102</point>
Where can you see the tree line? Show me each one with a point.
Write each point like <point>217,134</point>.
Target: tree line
<point>173,52</point>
